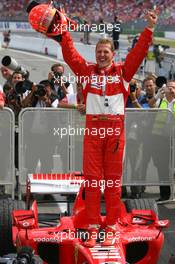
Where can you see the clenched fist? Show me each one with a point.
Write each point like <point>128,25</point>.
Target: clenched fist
<point>151,17</point>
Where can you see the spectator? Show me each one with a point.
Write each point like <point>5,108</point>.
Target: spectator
<point>135,95</point>
<point>17,76</point>
<point>14,102</point>
<point>116,32</point>
<point>129,10</point>
<point>7,75</point>
<point>134,41</point>
<point>87,30</point>
<point>74,100</point>
<point>60,86</point>
<point>6,40</point>
<point>149,86</point>
<point>40,96</point>
<point>13,99</point>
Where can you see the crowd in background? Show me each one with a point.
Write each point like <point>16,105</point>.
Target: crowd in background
<point>127,10</point>
<point>54,91</point>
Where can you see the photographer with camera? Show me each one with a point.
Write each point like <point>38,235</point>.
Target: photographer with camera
<point>14,102</point>
<point>157,98</point>
<point>75,100</point>
<point>41,95</point>
<point>135,95</point>
<point>60,86</point>
<point>7,75</point>
<point>13,98</point>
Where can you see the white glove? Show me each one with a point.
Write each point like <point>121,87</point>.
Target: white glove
<point>160,94</point>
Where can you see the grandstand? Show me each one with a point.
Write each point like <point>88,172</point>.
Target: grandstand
<point>128,11</point>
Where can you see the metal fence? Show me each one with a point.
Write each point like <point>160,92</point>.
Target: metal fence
<point>44,144</point>
<point>149,158</point>
<point>149,147</point>
<point>50,141</point>
<point>7,145</point>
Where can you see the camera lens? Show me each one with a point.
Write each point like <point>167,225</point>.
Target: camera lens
<point>6,61</point>
<point>160,81</point>
<point>19,87</point>
<point>23,86</point>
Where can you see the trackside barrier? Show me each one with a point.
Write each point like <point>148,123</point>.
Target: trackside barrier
<point>43,142</point>
<point>149,152</point>
<point>7,144</point>
<point>51,140</point>
<point>149,158</point>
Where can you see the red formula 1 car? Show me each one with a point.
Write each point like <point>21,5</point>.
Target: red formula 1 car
<point>139,238</point>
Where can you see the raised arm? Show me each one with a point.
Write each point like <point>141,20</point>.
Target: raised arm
<point>53,23</point>
<point>71,56</point>
<point>139,52</point>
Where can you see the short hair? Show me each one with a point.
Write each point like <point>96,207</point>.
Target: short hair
<point>106,41</point>
<point>149,78</point>
<point>18,72</point>
<point>46,83</point>
<point>57,65</point>
<point>6,87</point>
<point>169,81</point>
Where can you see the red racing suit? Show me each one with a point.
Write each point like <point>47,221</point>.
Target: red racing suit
<point>105,93</point>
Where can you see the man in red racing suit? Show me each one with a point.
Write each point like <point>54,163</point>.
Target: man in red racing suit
<point>105,95</point>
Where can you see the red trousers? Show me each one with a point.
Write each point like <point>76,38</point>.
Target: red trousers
<point>103,165</point>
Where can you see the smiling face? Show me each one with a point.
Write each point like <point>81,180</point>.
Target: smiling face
<point>17,77</point>
<point>104,55</point>
<point>149,87</point>
<point>6,73</point>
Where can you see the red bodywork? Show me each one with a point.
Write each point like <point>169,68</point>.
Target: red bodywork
<point>139,238</point>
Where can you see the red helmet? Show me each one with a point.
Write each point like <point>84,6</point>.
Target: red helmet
<point>46,19</point>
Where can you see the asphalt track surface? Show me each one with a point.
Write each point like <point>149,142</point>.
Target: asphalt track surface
<point>39,66</point>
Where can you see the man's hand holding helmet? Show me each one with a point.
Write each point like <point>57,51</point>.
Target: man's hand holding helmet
<point>48,20</point>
